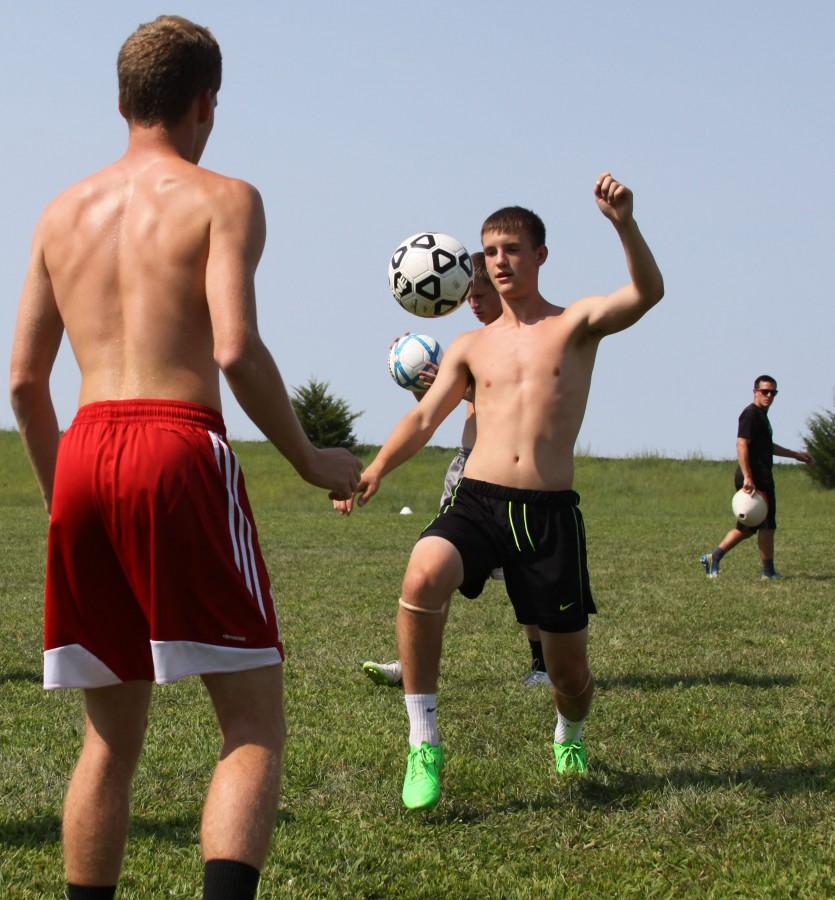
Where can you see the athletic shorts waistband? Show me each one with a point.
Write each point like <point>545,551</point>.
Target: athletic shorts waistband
<point>145,410</point>
<point>520,495</point>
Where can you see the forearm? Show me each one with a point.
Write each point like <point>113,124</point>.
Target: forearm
<point>257,384</point>
<point>643,270</point>
<point>784,451</point>
<point>409,436</point>
<point>38,426</point>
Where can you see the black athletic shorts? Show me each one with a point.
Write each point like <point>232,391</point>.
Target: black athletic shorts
<point>767,489</point>
<point>537,537</point>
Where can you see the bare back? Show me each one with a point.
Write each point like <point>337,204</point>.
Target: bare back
<point>532,384</point>
<point>126,252</point>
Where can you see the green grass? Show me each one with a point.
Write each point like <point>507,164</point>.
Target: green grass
<point>710,739</point>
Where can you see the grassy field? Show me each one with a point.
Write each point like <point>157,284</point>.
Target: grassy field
<point>710,740</point>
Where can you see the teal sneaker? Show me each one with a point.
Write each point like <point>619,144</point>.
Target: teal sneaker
<point>422,784</point>
<point>571,758</point>
<point>389,674</point>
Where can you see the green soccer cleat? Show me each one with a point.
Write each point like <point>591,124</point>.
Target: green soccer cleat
<point>571,758</point>
<point>389,674</point>
<point>422,784</point>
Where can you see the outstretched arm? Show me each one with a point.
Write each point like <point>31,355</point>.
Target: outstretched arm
<point>238,233</point>
<point>799,455</point>
<point>623,307</point>
<point>417,426</point>
<point>37,338</point>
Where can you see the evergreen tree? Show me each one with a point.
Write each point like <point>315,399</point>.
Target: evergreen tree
<point>820,443</point>
<point>325,419</point>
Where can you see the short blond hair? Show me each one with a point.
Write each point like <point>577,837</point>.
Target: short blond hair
<point>479,268</point>
<point>163,67</point>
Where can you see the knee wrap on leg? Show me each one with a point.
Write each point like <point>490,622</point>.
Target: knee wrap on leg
<point>422,609</point>
<point>579,694</point>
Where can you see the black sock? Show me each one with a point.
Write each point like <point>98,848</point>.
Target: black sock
<point>86,892</point>
<point>768,567</point>
<point>537,660</point>
<point>227,879</point>
<point>717,554</point>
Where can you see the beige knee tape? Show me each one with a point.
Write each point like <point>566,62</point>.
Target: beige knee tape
<point>574,696</point>
<point>422,609</point>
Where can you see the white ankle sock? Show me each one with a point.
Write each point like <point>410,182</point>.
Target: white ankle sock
<point>423,721</point>
<point>567,730</point>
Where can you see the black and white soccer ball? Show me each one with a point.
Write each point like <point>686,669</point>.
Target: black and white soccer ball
<point>430,274</point>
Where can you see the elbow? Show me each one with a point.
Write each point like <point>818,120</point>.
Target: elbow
<point>660,292</point>
<point>236,356</point>
<point>656,292</point>
<point>24,394</point>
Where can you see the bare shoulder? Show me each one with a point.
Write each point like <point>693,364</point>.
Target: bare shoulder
<point>64,207</point>
<point>465,343</point>
<point>578,313</point>
<point>231,195</point>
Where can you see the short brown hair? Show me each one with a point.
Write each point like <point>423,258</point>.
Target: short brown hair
<point>516,218</point>
<point>761,378</point>
<point>163,66</point>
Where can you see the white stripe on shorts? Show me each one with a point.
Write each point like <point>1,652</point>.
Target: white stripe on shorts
<point>74,666</point>
<point>226,469</point>
<point>242,536</point>
<point>179,659</point>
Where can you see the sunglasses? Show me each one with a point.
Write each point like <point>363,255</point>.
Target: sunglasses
<point>769,392</point>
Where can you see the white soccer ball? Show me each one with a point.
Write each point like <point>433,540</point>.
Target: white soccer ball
<point>749,509</point>
<point>430,274</point>
<point>407,357</point>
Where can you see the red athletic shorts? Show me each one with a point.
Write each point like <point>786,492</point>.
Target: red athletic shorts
<point>153,564</point>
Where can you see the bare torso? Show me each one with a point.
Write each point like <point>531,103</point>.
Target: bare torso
<point>532,382</point>
<point>126,253</point>
<point>468,434</point>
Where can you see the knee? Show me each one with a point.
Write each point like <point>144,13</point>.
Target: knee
<point>116,749</point>
<point>422,587</point>
<point>572,678</point>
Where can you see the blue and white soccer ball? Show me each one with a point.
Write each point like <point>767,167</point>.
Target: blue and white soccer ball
<point>430,274</point>
<point>409,355</point>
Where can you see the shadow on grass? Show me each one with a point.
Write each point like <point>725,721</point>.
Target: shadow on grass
<point>32,832</point>
<point>31,677</point>
<point>180,830</point>
<point>618,789</point>
<point>607,788</point>
<point>661,682</point>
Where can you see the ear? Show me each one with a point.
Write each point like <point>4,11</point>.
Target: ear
<point>205,105</point>
<point>541,254</point>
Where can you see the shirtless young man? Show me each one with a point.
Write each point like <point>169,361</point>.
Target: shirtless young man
<point>153,566</point>
<point>486,306</point>
<point>514,508</point>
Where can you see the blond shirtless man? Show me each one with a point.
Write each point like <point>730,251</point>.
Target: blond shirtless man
<point>153,565</point>
<point>515,506</point>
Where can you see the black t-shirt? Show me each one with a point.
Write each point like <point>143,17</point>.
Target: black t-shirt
<point>756,429</point>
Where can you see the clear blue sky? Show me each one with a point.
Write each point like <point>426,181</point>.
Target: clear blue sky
<point>362,123</point>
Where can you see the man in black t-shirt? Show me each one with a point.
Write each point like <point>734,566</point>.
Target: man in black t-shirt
<point>755,451</point>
